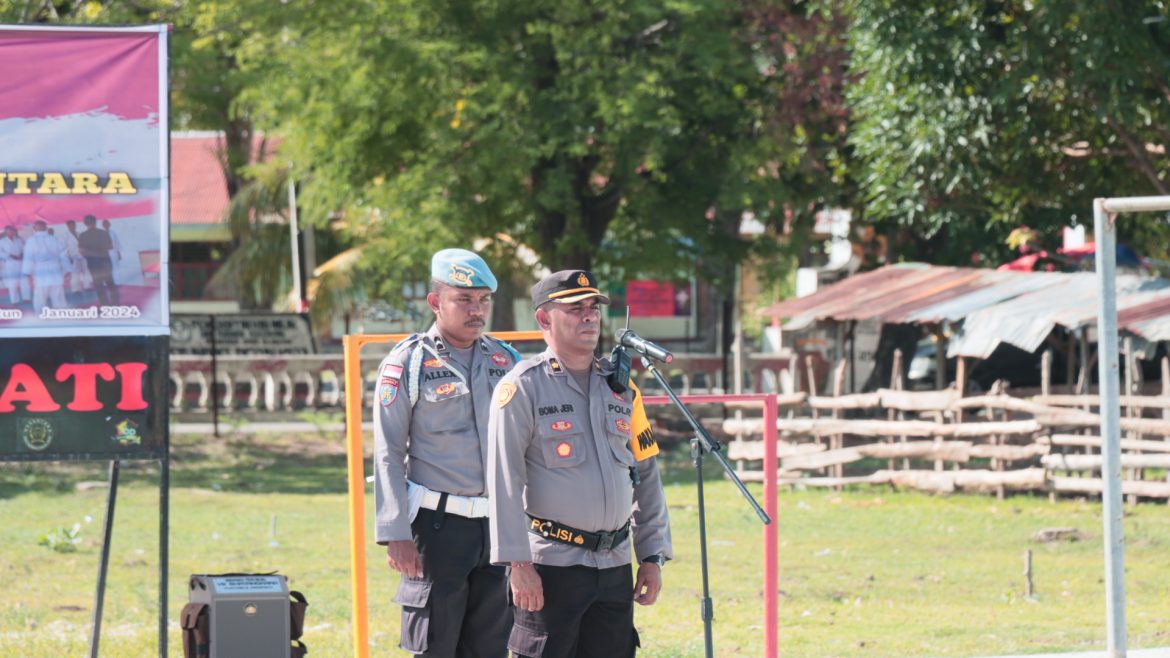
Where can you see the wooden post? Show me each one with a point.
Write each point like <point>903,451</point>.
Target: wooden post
<point>812,391</point>
<point>1083,375</point>
<point>961,376</point>
<point>997,439</point>
<point>838,440</point>
<point>897,385</point>
<point>1029,589</point>
<point>940,358</point>
<point>1166,383</point>
<point>1131,390</point>
<point>1166,392</point>
<point>1083,363</point>
<point>1046,372</point>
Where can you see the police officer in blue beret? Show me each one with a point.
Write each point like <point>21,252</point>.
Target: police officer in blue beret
<point>430,454</point>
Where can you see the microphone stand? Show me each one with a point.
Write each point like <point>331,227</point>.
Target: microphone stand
<point>701,442</point>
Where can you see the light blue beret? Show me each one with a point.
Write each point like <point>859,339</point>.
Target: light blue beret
<point>462,268</point>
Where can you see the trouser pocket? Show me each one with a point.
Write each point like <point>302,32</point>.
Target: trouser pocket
<point>413,595</point>
<point>527,642</point>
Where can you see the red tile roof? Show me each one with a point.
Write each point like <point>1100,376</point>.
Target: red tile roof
<point>198,188</point>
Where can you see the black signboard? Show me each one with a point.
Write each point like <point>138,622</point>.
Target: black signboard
<point>88,397</point>
<point>252,333</point>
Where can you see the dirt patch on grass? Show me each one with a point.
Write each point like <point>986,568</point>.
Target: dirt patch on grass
<point>279,446</point>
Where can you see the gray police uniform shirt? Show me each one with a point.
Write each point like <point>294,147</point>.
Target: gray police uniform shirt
<point>562,454</point>
<point>440,443</point>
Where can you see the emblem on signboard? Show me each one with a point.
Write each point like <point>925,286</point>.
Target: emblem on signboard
<point>37,434</point>
<point>126,433</point>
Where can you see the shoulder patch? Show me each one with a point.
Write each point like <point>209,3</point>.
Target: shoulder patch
<point>388,392</point>
<point>504,393</point>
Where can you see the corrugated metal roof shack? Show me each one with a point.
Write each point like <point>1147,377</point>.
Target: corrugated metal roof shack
<point>979,325</point>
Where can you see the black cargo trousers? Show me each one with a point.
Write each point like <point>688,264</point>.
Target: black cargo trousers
<point>588,613</point>
<point>459,608</point>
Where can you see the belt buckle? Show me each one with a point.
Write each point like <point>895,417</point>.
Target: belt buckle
<point>606,542</point>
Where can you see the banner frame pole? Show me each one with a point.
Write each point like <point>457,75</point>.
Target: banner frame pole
<point>104,562</point>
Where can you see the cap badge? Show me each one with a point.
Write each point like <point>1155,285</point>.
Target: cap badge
<point>582,280</point>
<point>504,393</point>
<point>460,275</point>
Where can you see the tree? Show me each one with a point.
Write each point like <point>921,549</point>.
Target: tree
<point>629,135</point>
<point>977,116</point>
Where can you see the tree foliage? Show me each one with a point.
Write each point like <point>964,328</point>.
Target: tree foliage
<point>630,134</point>
<point>973,117</point>
<point>626,134</point>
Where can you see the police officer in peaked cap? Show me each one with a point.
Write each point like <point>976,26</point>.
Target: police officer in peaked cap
<point>574,487</point>
<point>430,432</point>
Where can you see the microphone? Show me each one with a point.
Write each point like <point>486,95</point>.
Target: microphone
<point>643,346</point>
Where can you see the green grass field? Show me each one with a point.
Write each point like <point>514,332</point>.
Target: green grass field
<point>867,572</point>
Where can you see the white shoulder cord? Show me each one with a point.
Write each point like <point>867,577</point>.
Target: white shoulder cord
<point>416,370</point>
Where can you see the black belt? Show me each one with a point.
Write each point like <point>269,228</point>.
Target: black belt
<point>593,541</point>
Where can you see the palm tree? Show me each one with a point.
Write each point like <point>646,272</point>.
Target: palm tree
<point>259,266</point>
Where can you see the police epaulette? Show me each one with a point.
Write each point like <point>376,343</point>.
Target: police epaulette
<point>525,365</point>
<point>407,342</point>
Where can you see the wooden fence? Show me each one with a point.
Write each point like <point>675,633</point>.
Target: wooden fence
<point>941,441</point>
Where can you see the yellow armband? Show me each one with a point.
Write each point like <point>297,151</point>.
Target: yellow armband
<point>642,442</point>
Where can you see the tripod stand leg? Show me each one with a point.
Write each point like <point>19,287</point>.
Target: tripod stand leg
<point>707,606</point>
